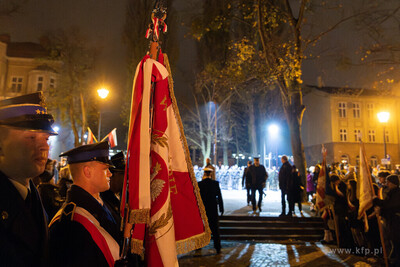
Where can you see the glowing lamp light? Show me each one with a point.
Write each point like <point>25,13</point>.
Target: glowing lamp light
<point>56,128</point>
<point>383,116</point>
<point>103,93</point>
<point>273,129</point>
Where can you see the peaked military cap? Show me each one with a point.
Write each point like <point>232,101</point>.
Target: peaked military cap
<point>206,169</point>
<point>118,160</point>
<point>27,112</point>
<point>93,152</point>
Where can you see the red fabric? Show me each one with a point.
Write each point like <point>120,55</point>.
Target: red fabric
<point>186,213</point>
<point>112,138</point>
<point>97,237</point>
<point>321,184</point>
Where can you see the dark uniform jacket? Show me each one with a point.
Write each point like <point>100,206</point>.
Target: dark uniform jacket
<point>51,199</point>
<point>246,180</point>
<point>390,210</point>
<point>257,175</point>
<point>285,174</point>
<point>211,195</point>
<point>23,227</point>
<point>70,243</point>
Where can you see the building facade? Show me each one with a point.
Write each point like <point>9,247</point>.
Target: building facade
<point>339,118</point>
<point>24,68</point>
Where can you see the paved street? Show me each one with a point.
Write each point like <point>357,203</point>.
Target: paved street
<point>274,253</point>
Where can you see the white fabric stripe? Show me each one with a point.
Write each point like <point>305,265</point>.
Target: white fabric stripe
<point>145,138</point>
<point>177,154</point>
<point>112,244</point>
<point>132,100</point>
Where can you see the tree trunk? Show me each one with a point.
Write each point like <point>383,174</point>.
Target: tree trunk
<point>72,118</point>
<point>294,115</point>
<point>252,129</point>
<point>225,152</point>
<point>83,130</point>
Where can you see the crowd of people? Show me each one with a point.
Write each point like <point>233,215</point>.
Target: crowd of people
<point>344,225</point>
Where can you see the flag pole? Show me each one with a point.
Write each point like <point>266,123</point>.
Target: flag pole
<point>378,216</point>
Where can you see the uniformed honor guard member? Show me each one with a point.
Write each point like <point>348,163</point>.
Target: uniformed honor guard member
<point>83,232</point>
<point>25,128</point>
<point>212,199</point>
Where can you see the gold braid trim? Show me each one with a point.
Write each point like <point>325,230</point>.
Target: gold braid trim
<point>137,247</point>
<point>201,240</point>
<point>139,216</point>
<point>193,242</point>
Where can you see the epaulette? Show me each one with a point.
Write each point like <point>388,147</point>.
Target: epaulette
<point>68,211</point>
<point>65,213</point>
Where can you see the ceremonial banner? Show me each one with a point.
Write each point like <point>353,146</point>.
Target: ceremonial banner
<point>90,137</point>
<point>164,200</point>
<point>365,188</point>
<point>112,138</point>
<point>321,183</point>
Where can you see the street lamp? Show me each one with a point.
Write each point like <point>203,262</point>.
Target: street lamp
<point>383,118</point>
<point>103,93</point>
<point>273,131</point>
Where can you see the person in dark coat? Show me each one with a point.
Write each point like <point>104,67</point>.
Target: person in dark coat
<point>341,212</point>
<point>48,191</point>
<point>85,219</point>
<point>212,199</point>
<point>258,177</point>
<point>25,128</point>
<point>390,211</point>
<point>112,197</point>
<point>295,190</point>
<point>247,182</point>
<point>285,174</point>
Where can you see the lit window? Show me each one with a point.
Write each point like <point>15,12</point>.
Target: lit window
<point>342,109</point>
<point>373,161</point>
<point>370,110</point>
<point>344,159</point>
<point>371,136</point>
<point>356,110</point>
<point>343,135</point>
<point>357,135</point>
<point>39,84</point>
<point>16,84</point>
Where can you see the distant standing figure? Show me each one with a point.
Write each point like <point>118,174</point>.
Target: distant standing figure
<point>258,177</point>
<point>295,188</point>
<point>310,185</point>
<point>247,182</point>
<point>212,199</point>
<point>285,174</point>
<point>48,191</point>
<point>210,166</point>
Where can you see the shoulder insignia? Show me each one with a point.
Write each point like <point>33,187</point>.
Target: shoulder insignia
<point>68,211</point>
<point>65,213</point>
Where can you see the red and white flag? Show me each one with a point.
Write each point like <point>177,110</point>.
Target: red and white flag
<point>321,184</point>
<point>163,196</point>
<point>90,137</point>
<point>365,188</point>
<point>112,138</point>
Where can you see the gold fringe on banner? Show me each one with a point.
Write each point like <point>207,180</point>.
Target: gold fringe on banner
<point>137,247</point>
<point>201,240</point>
<point>141,216</point>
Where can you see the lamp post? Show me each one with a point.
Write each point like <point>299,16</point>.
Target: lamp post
<point>383,118</point>
<point>103,93</point>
